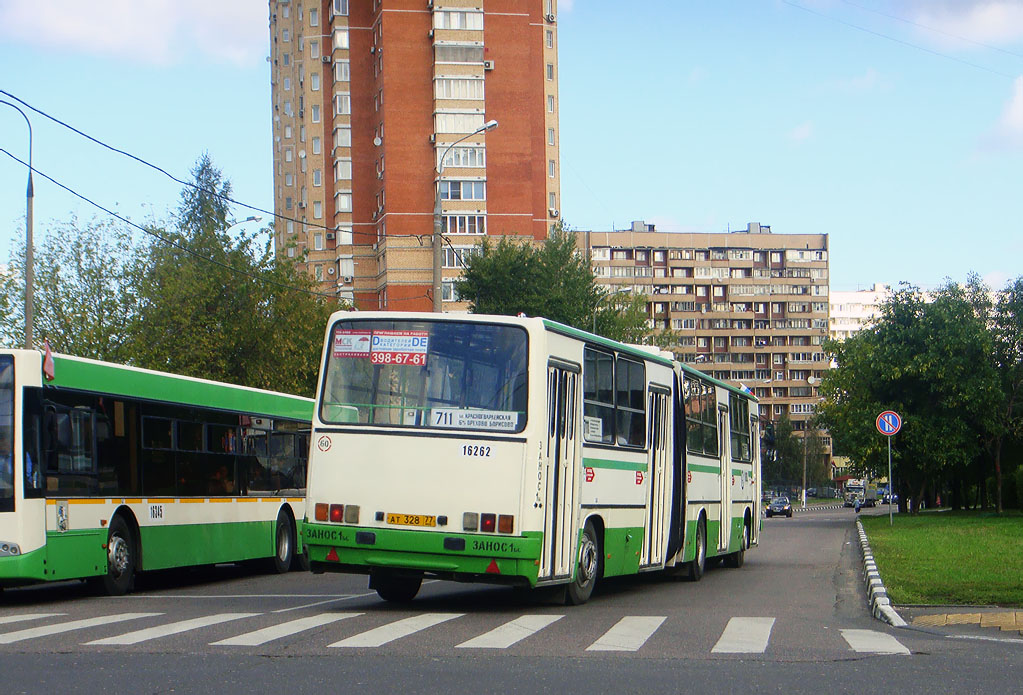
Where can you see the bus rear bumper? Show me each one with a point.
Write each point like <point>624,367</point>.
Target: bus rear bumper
<point>453,556</point>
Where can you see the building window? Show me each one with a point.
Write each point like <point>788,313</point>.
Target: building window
<point>314,50</point>
<point>340,8</point>
<point>550,71</point>
<point>447,53</point>
<point>314,18</point>
<point>550,103</point>
<point>462,190</point>
<point>318,272</point>
<point>454,19</point>
<point>550,39</point>
<point>286,36</point>
<point>343,201</point>
<point>459,87</point>
<point>474,157</point>
<point>288,154</point>
<point>314,81</point>
<point>551,168</point>
<point>448,292</point>
<point>550,136</point>
<point>287,203</point>
<point>317,242</point>
<point>317,177</point>
<point>342,137</point>
<point>458,256</point>
<point>316,145</point>
<point>287,84</point>
<point>317,210</point>
<point>343,105</point>
<point>464,224</point>
<point>315,108</point>
<point>289,179</point>
<point>552,201</point>
<point>341,39</point>
<point>342,70</point>
<point>342,169</point>
<point>458,122</point>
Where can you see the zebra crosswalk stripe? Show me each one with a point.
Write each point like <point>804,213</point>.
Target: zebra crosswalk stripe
<point>744,636</point>
<point>171,629</point>
<point>873,642</point>
<point>5,619</point>
<point>46,630</point>
<point>628,634</point>
<point>292,627</point>
<point>401,628</point>
<point>511,632</point>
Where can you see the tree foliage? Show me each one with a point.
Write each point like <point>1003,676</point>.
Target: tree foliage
<point>551,280</point>
<point>83,299</point>
<point>932,363</point>
<point>221,308</point>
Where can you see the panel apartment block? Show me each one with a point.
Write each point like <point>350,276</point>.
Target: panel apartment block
<point>368,95</point>
<point>749,308</point>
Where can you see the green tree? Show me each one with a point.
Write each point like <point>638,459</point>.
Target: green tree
<point>784,463</point>
<point>930,362</point>
<point>551,280</point>
<point>222,308</point>
<point>84,302</point>
<point>1007,329</point>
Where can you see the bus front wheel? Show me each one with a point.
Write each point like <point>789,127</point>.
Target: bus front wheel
<point>588,570</point>
<point>699,561</point>
<point>120,559</point>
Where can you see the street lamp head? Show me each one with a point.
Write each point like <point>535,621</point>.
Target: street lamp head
<point>489,125</point>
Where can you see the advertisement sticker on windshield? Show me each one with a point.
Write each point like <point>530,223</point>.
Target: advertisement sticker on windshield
<point>349,343</point>
<point>399,347</point>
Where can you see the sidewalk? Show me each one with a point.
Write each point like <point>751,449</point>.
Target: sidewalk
<point>979,620</point>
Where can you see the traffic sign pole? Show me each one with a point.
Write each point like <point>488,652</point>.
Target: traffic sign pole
<point>889,423</point>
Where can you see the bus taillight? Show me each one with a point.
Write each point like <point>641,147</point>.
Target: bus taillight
<point>337,513</point>
<point>321,511</point>
<point>488,522</point>
<point>505,523</point>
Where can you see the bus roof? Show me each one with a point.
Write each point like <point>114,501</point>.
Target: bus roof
<point>84,374</point>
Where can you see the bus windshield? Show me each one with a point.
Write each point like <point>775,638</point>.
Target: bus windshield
<point>6,433</point>
<point>426,374</point>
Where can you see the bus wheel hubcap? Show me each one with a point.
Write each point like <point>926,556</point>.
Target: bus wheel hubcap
<point>587,560</point>
<point>118,555</point>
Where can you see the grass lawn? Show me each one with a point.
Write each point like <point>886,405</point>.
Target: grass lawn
<point>950,558</point>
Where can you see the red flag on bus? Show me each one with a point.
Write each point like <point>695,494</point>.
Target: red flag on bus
<point>48,371</point>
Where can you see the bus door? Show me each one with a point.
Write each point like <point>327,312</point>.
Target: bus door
<point>560,519</point>
<point>659,500</point>
<point>754,429</point>
<point>726,478</point>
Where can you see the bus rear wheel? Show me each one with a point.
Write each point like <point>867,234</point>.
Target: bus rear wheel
<point>120,574</point>
<point>396,588</point>
<point>284,543</point>
<point>738,558</point>
<point>699,562</point>
<point>588,570</point>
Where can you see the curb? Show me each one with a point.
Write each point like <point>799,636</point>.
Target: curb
<point>877,595</point>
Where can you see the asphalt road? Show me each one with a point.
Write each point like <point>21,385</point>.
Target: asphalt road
<point>794,619</point>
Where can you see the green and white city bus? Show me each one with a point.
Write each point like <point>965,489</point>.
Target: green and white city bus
<point>107,470</point>
<point>520,451</point>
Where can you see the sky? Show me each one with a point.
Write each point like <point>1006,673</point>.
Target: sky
<point>894,126</point>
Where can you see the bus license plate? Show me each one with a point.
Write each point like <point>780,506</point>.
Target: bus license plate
<point>411,520</point>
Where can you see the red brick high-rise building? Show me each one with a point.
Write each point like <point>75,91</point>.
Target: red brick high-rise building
<point>368,94</point>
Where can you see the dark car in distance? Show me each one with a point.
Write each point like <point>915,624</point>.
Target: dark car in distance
<point>779,506</point>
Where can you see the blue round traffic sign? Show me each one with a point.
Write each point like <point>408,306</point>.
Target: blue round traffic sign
<point>889,423</point>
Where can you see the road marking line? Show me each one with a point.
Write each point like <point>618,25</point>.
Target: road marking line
<point>628,635</point>
<point>872,642</point>
<point>320,603</point>
<point>47,630</point>
<point>744,636</point>
<point>268,634</point>
<point>396,630</point>
<point>171,628</point>
<point>504,636</point>
<point>27,616</point>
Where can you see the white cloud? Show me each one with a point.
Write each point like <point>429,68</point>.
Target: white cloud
<point>1008,132</point>
<point>801,132</point>
<point>985,21</point>
<point>152,31</point>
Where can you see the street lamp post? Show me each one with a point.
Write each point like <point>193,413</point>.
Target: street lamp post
<point>29,254</point>
<point>605,298</point>
<point>438,237</point>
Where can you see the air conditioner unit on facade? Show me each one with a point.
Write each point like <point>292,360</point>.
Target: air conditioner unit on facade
<point>433,138</point>
<point>553,212</point>
<point>301,204</point>
<point>430,33</point>
<point>325,59</point>
<point>488,65</point>
<point>347,279</point>
<point>301,113</point>
<point>549,18</point>
<point>331,236</point>
<point>330,271</point>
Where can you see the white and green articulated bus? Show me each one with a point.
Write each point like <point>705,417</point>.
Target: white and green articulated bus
<point>107,470</point>
<point>521,451</point>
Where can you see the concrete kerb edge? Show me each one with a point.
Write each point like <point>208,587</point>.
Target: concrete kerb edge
<point>877,595</point>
